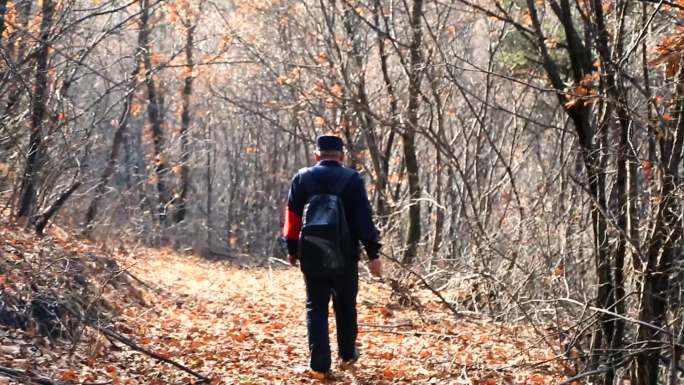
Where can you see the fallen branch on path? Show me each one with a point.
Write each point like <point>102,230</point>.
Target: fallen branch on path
<point>17,374</point>
<point>140,281</point>
<point>283,262</point>
<point>381,329</point>
<point>396,326</point>
<point>131,344</point>
<point>113,335</point>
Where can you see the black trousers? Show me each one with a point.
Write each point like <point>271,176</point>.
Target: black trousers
<point>342,287</point>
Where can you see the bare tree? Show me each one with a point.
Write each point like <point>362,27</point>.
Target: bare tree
<point>34,153</point>
<point>154,115</point>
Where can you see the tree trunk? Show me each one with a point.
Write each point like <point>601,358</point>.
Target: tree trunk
<point>27,196</point>
<point>154,115</point>
<point>409,134</point>
<point>43,219</point>
<point>593,156</point>
<point>181,203</point>
<point>209,181</point>
<point>661,252</point>
<point>615,105</point>
<point>595,162</point>
<point>439,215</point>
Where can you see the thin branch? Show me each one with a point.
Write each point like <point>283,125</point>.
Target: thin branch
<point>425,283</point>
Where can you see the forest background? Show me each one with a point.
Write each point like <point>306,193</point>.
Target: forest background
<point>526,154</point>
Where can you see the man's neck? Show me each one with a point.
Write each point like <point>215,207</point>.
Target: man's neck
<point>330,160</point>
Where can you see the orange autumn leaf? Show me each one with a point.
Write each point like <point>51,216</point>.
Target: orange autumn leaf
<point>526,19</point>
<point>647,166</point>
<point>386,311</point>
<point>68,375</point>
<point>136,108</point>
<point>336,90</point>
<point>672,65</point>
<point>388,374</point>
<point>607,7</point>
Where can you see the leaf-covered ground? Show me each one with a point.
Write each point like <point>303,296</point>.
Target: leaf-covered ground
<point>246,326</point>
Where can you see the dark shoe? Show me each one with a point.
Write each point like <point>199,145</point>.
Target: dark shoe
<point>323,376</point>
<point>347,363</point>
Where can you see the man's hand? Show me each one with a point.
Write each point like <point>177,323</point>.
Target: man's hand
<point>293,260</point>
<point>375,266</point>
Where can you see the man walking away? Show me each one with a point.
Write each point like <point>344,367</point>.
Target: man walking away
<point>328,214</point>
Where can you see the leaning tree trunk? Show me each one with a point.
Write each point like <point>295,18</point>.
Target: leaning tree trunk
<point>27,195</point>
<point>181,203</point>
<point>409,134</point>
<point>154,115</point>
<point>43,219</point>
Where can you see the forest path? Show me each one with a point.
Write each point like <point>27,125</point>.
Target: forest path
<point>247,326</point>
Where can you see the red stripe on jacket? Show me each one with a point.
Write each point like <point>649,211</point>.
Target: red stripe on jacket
<point>293,225</point>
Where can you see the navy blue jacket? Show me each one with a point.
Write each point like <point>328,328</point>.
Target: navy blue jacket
<point>356,205</point>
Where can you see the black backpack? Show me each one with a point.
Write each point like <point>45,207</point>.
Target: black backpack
<point>324,241</point>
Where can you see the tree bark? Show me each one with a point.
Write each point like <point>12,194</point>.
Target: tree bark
<point>615,104</point>
<point>593,157</point>
<point>439,167</point>
<point>209,181</point>
<point>667,232</point>
<point>27,197</point>
<point>181,203</point>
<point>154,115</point>
<point>43,219</point>
<point>409,134</point>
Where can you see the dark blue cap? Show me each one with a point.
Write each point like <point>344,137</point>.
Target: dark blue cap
<point>329,143</point>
